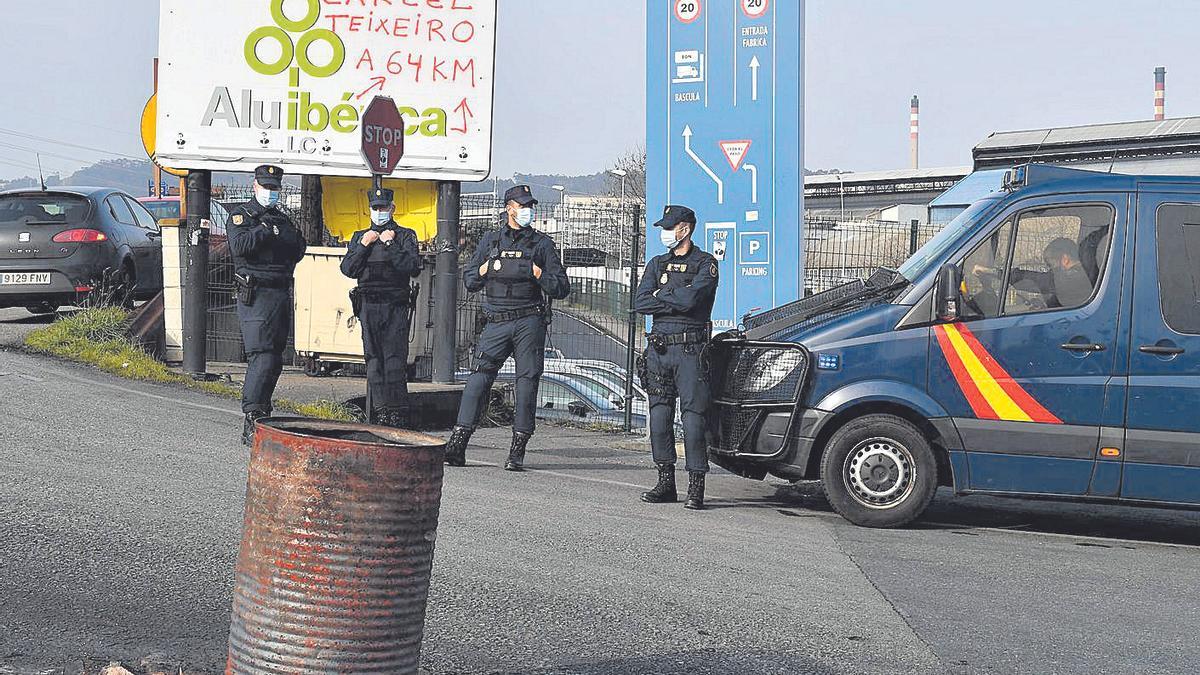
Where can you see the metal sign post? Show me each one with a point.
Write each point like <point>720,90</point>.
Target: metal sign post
<point>725,136</point>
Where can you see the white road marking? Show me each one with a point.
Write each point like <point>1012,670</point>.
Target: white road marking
<point>104,385</point>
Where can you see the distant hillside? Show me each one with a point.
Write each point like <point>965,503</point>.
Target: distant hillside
<point>542,185</point>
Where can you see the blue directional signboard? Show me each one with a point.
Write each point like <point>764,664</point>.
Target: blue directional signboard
<point>724,136</point>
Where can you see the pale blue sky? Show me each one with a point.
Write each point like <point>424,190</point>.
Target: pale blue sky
<point>571,82</point>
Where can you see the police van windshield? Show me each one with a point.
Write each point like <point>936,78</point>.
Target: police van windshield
<point>918,264</point>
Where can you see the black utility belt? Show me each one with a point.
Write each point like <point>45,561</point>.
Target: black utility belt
<point>400,297</point>
<point>686,338</point>
<point>513,315</point>
<point>259,282</point>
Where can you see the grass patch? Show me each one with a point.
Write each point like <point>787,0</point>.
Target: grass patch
<point>321,410</point>
<point>97,337</point>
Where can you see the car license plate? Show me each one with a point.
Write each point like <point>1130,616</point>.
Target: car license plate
<point>25,279</point>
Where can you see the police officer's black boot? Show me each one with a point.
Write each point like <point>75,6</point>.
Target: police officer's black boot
<point>664,492</point>
<point>695,498</point>
<point>516,454</point>
<point>252,419</point>
<point>456,447</point>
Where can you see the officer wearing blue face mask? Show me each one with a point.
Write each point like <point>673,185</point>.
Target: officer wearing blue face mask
<point>266,247</point>
<point>519,271</point>
<point>678,289</point>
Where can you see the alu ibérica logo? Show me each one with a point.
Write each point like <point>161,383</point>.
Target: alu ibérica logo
<point>295,40</point>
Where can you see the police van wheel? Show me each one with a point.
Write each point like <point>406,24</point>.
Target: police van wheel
<point>879,471</point>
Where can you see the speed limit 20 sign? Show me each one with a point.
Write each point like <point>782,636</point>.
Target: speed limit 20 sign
<point>688,11</point>
<point>755,9</point>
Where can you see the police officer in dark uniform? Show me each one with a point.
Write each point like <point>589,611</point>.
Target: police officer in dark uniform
<point>678,289</point>
<point>384,259</point>
<point>519,271</point>
<point>266,247</point>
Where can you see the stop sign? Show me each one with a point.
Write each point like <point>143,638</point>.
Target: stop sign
<point>382,136</point>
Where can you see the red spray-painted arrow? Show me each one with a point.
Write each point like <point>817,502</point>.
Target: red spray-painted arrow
<point>465,110</point>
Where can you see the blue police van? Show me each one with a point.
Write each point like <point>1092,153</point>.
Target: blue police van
<point>1046,343</point>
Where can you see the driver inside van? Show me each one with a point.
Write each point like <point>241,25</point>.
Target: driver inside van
<point>1065,283</point>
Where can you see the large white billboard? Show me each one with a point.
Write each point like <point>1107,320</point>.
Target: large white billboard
<point>249,82</point>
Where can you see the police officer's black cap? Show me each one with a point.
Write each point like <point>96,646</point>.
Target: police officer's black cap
<point>268,176</point>
<point>520,194</point>
<point>380,198</point>
<point>674,215</point>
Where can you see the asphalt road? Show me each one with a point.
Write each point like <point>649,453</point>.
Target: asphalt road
<point>120,509</point>
<point>15,324</point>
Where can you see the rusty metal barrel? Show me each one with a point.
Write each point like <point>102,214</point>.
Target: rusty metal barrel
<point>337,547</point>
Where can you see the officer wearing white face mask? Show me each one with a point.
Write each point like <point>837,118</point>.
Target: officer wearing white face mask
<point>266,247</point>
<point>519,271</point>
<point>678,290</point>
<point>384,259</point>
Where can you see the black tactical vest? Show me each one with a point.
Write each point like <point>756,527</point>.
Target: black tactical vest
<point>510,271</point>
<point>380,274</point>
<point>678,272</point>
<point>268,261</point>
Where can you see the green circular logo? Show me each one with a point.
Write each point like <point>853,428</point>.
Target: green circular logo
<point>295,52</point>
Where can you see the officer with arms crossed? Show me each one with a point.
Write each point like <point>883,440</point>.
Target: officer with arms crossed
<point>518,268</point>
<point>678,289</point>
<point>266,247</point>
<point>384,259</point>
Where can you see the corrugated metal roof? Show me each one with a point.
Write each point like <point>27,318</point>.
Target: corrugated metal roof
<point>951,172</point>
<point>1093,133</point>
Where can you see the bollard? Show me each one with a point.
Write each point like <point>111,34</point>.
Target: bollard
<point>337,546</point>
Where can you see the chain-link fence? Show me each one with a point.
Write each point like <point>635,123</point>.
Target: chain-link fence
<point>838,252</point>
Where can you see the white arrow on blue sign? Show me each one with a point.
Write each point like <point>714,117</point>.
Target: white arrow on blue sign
<point>724,136</point>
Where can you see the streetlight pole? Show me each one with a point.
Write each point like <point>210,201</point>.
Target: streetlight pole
<point>620,173</point>
<point>562,199</point>
<point>842,191</point>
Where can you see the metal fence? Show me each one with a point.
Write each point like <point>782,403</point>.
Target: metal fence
<point>838,252</point>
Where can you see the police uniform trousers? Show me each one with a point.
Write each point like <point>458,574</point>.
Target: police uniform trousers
<point>265,325</point>
<point>385,345</point>
<point>678,373</point>
<point>524,339</point>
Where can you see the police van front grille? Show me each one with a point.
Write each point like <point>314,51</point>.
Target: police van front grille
<point>735,426</point>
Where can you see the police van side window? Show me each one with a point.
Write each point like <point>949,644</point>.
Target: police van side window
<point>1178,238</point>
<point>1058,258</point>
<point>983,274</point>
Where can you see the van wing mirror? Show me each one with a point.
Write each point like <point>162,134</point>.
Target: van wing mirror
<point>947,305</point>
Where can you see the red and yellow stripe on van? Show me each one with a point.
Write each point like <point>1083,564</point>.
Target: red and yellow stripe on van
<point>992,393</point>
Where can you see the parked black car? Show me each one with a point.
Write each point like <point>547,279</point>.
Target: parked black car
<point>60,246</point>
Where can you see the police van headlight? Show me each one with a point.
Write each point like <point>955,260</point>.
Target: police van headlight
<point>772,368</point>
<point>762,374</point>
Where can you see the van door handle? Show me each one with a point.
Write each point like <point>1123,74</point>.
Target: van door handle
<point>1083,347</point>
<point>1161,350</point>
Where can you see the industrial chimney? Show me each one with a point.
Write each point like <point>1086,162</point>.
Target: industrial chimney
<point>914,131</point>
<point>1160,93</point>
